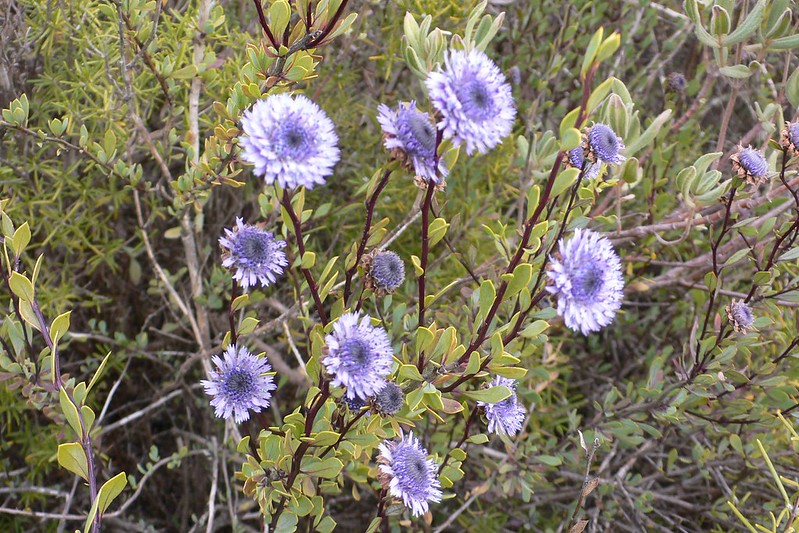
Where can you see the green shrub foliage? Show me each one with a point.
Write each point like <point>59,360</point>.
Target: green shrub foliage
<point>122,165</point>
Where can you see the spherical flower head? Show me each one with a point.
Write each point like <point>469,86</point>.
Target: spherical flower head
<point>740,316</point>
<point>789,138</point>
<point>253,254</point>
<point>587,280</point>
<point>359,356</point>
<point>750,164</point>
<point>289,140</point>
<point>407,473</point>
<point>576,159</point>
<point>239,384</point>
<point>384,271</point>
<point>676,83</point>
<point>507,416</point>
<point>473,99</point>
<point>601,143</point>
<point>410,135</point>
<point>389,400</point>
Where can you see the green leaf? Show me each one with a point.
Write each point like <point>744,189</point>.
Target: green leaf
<point>417,265</point>
<point>59,327</point>
<point>784,43</point>
<point>98,372</point>
<point>184,73</point>
<point>748,27</point>
<point>437,231</point>
<point>308,260</point>
<point>608,47</point>
<point>21,286</point>
<point>570,139</point>
<point>691,9</point>
<point>248,325</point>
<point>279,15</point>
<point>790,255</point>
<point>424,337</point>
<point>490,395</point>
<point>591,51</point>
<point>736,71</point>
<point>110,490</point>
<point>564,180</point>
<point>551,460</point>
<point>21,239</point>
<point>522,275</point>
<point>70,412</point>
<point>487,295</point>
<point>792,89</point>
<point>646,138</point>
<point>72,458</point>
<point>327,469</point>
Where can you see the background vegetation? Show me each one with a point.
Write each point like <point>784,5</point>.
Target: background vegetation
<point>119,158</point>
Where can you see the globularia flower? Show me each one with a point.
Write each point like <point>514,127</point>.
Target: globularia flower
<point>505,417</point>
<point>601,143</point>
<point>790,138</point>
<point>389,400</point>
<point>576,159</point>
<point>407,473</point>
<point>474,100</point>
<point>384,271</point>
<point>587,280</point>
<point>356,403</point>
<point>289,140</point>
<point>240,384</point>
<point>411,137</point>
<point>676,82</point>
<point>740,315</point>
<point>253,254</point>
<point>750,164</point>
<point>359,356</point>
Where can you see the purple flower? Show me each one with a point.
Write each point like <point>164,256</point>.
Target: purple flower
<point>253,253</point>
<point>289,140</point>
<point>473,99</point>
<point>407,473</point>
<point>750,164</point>
<point>587,280</point>
<point>359,356</point>
<point>411,137</point>
<point>239,384</point>
<point>577,160</point>
<point>385,271</point>
<point>601,143</point>
<point>740,315</point>
<point>789,138</point>
<point>504,417</point>
<point>389,400</point>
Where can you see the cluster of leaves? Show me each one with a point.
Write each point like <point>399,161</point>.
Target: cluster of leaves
<point>121,172</point>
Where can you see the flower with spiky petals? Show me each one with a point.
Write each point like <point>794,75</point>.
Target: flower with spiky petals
<point>407,473</point>
<point>384,271</point>
<point>289,140</point>
<point>750,164</point>
<point>389,400</point>
<point>253,254</point>
<point>240,384</point>
<point>473,99</point>
<point>601,143</point>
<point>359,355</point>
<point>410,135</point>
<point>587,280</point>
<point>504,417</point>
<point>740,316</point>
<point>789,138</point>
<point>576,160</point>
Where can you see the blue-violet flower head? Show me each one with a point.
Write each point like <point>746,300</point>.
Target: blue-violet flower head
<point>389,400</point>
<point>504,417</point>
<point>601,143</point>
<point>740,315</point>
<point>289,140</point>
<point>410,135</point>
<point>473,99</point>
<point>750,164</point>
<point>576,159</point>
<point>385,271</point>
<point>359,355</point>
<point>254,254</point>
<point>587,280</point>
<point>239,384</point>
<point>789,138</point>
<point>407,473</point>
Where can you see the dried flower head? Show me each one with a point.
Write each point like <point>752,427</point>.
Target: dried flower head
<point>789,138</point>
<point>253,254</point>
<point>410,135</point>
<point>289,140</point>
<point>473,99</point>
<point>359,356</point>
<point>384,271</point>
<point>576,159</point>
<point>507,416</point>
<point>389,400</point>
<point>240,384</point>
<point>676,83</point>
<point>740,316</point>
<point>600,143</point>
<point>750,164</point>
<point>407,473</point>
<point>587,281</point>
